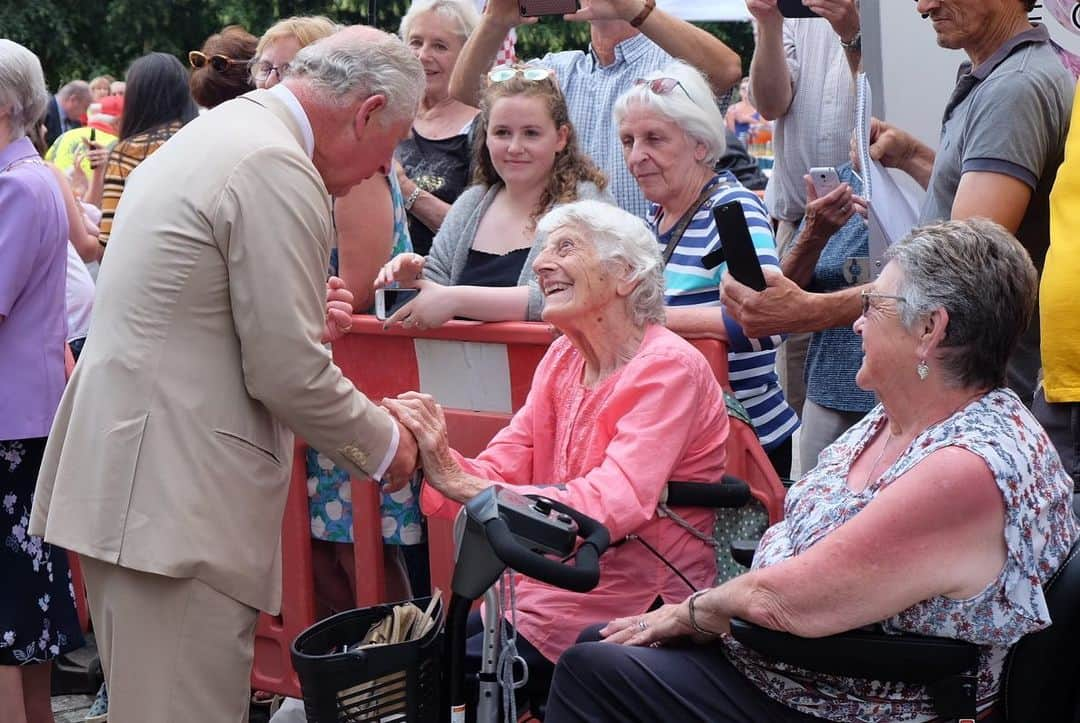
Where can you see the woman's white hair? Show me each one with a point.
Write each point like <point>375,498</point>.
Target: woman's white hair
<point>621,240</point>
<point>349,65</point>
<point>461,14</point>
<point>691,105</point>
<point>22,88</point>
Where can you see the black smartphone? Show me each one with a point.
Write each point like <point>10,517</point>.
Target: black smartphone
<point>795,9</point>
<point>93,135</point>
<point>737,248</point>
<point>388,301</point>
<point>536,8</point>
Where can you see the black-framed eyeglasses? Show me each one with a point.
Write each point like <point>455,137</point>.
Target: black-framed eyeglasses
<point>260,71</point>
<point>868,295</point>
<point>220,63</point>
<point>664,86</point>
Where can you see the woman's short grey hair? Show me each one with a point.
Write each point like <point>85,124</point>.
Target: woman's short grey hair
<point>691,105</point>
<point>22,88</point>
<point>621,240</point>
<point>460,14</point>
<point>348,66</point>
<point>984,278</point>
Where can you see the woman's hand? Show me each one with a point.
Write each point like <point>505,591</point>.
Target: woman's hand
<point>424,418</point>
<point>828,214</point>
<point>405,269</point>
<point>432,307</point>
<point>667,622</point>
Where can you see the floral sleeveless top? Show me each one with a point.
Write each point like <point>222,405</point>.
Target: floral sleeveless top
<point>1039,531</point>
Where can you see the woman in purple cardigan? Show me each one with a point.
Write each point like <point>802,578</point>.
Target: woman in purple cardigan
<point>37,608</point>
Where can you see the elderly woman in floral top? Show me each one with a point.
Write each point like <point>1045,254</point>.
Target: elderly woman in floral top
<point>943,512</point>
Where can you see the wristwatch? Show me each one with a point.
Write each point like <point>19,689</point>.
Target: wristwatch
<point>853,44</point>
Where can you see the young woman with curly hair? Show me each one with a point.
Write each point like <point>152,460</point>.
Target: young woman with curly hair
<point>526,160</point>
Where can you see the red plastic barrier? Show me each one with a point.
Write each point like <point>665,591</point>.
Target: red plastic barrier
<point>481,358</point>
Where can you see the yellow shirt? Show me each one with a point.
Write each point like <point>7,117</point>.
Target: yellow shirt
<point>1059,292</point>
<point>62,152</point>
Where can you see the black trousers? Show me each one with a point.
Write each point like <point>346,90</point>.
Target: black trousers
<point>604,682</point>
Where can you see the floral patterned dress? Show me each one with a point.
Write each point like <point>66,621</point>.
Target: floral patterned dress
<point>329,492</point>
<point>1040,528</point>
<point>38,621</point>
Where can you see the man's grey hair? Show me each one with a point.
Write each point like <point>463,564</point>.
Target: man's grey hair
<point>624,243</point>
<point>22,88</point>
<point>77,89</point>
<point>345,68</point>
<point>984,278</point>
<point>460,14</point>
<point>691,105</point>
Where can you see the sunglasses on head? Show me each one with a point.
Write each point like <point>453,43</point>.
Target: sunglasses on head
<point>531,73</point>
<point>220,63</point>
<point>663,86</point>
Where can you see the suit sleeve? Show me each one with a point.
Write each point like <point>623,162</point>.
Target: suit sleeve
<point>274,238</point>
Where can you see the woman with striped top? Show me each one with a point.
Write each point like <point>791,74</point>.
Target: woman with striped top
<point>157,103</point>
<point>672,133</point>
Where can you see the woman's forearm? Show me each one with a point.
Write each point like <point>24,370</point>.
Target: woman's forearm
<point>700,322</point>
<point>491,303</point>
<point>426,207</point>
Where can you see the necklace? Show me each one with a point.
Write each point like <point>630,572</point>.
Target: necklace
<point>877,461</point>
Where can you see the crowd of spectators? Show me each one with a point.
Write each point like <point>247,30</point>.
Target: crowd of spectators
<point>196,237</point>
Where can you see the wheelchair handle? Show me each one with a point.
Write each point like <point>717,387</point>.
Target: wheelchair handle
<point>581,576</point>
<point>731,492</point>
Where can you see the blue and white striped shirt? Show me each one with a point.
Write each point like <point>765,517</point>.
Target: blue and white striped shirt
<point>751,361</point>
<point>591,90</point>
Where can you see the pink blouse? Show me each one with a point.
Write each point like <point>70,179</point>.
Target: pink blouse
<point>608,451</point>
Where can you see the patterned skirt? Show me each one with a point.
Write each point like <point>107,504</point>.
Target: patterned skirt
<point>38,620</point>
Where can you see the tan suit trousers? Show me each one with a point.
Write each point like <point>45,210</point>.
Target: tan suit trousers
<point>791,356</point>
<point>174,650</point>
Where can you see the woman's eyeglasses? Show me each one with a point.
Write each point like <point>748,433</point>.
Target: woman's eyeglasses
<point>868,295</point>
<point>220,63</point>
<point>663,86</point>
<point>261,71</point>
<point>531,73</point>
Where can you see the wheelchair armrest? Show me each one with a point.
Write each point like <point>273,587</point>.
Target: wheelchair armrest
<point>731,492</point>
<point>864,654</point>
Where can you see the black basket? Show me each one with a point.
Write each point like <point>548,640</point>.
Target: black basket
<point>379,684</point>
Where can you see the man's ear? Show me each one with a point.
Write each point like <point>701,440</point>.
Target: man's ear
<point>366,111</point>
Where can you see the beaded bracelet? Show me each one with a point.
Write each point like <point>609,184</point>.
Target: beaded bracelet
<point>412,198</point>
<point>693,616</point>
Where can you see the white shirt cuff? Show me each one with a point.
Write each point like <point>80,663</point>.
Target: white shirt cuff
<point>380,471</point>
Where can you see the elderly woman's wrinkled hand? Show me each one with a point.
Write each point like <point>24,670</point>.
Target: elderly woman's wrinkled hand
<point>432,307</point>
<point>423,416</point>
<point>667,622</point>
<point>763,313</point>
<point>404,269</point>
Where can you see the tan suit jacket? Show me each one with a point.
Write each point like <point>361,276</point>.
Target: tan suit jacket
<point>171,451</point>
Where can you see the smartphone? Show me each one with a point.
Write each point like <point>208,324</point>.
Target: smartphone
<point>794,9</point>
<point>536,8</point>
<point>824,179</point>
<point>737,246</point>
<point>388,301</point>
<point>93,135</point>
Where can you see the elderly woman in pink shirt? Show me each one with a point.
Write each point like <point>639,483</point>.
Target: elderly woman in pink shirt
<point>619,405</point>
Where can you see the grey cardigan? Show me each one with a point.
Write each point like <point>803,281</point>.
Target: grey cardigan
<point>450,249</point>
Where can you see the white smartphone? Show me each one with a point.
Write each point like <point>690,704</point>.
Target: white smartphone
<point>388,301</point>
<point>824,179</point>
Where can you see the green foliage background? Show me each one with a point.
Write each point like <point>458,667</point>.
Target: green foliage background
<point>80,39</point>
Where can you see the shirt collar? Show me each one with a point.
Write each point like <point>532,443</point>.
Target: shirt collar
<point>287,97</point>
<point>17,150</point>
<point>1037,34</point>
<point>626,51</point>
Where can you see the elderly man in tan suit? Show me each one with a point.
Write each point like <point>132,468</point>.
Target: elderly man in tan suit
<point>168,465</point>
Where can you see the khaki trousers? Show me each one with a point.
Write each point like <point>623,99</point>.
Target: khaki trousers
<point>791,356</point>
<point>174,650</point>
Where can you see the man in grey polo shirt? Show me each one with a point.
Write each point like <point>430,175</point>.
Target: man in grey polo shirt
<point>1002,140</point>
<point>628,40</point>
